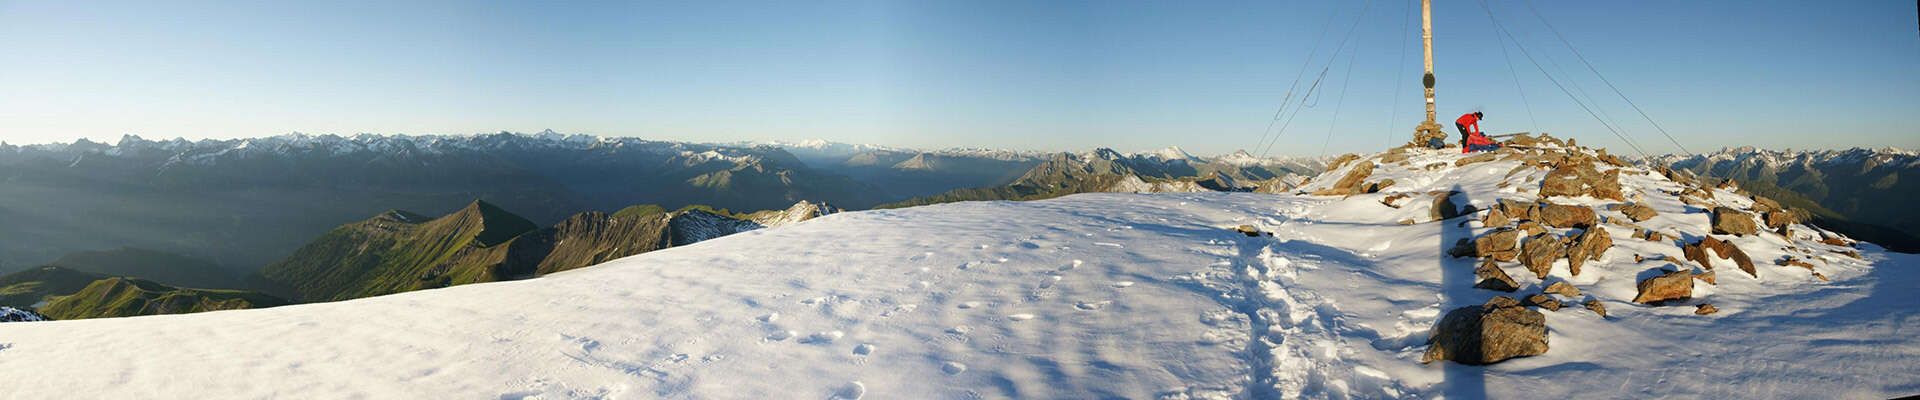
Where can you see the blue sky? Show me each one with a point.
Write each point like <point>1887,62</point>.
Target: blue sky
<point>1048,75</point>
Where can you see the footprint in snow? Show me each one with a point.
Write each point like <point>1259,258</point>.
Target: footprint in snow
<point>852,391</point>
<point>864,349</point>
<point>1091,306</point>
<point>1113,245</point>
<point>769,318</point>
<point>968,304</point>
<point>782,336</point>
<point>823,337</point>
<point>1020,317</point>
<point>1122,284</point>
<point>1069,267</point>
<point>1047,283</point>
<point>953,368</point>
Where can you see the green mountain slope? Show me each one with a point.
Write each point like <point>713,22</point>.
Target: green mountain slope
<point>158,266</point>
<point>398,251</point>
<point>27,288</point>
<point>126,297</point>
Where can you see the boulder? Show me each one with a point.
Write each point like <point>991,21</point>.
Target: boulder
<point>1491,277</point>
<point>1673,285</point>
<point>1486,334</point>
<point>1248,230</point>
<point>1697,252</point>
<point>1594,304</point>
<point>1539,252</point>
<point>1351,183</point>
<point>1727,250</point>
<point>1765,205</point>
<point>1443,206</point>
<point>1516,209</point>
<point>1728,221</point>
<point>1495,217</point>
<point>1790,261</point>
<point>1575,178</point>
<point>1501,244</point>
<point>1705,308</point>
<point>1563,289</point>
<point>1531,228</point>
<point>1779,220</point>
<point>1706,277</point>
<point>1587,247</point>
<point>1638,212</point>
<point>1567,216</point>
<point>1542,300</point>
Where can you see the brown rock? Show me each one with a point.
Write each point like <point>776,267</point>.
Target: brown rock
<point>1563,289</point>
<point>1673,285</point>
<point>1531,228</point>
<point>1705,308</point>
<point>1638,212</point>
<point>1486,334</point>
<point>1594,304</point>
<point>1477,158</point>
<point>1443,206</point>
<point>1579,178</point>
<point>1542,300</point>
<point>1495,217</point>
<point>1567,216</point>
<point>1727,250</point>
<point>1342,161</point>
<point>1539,252</point>
<point>1790,261</point>
<point>1697,252</point>
<point>1778,220</point>
<point>1728,221</point>
<point>1823,277</point>
<point>1765,205</point>
<point>1393,200</point>
<point>1375,187</point>
<point>1587,247</point>
<point>1349,184</point>
<point>1516,209</point>
<point>1706,277</point>
<point>1501,244</point>
<point>1493,278</point>
<point>1248,230</point>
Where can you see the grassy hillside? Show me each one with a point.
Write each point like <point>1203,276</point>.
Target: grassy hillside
<point>398,251</point>
<point>126,297</point>
<point>26,288</point>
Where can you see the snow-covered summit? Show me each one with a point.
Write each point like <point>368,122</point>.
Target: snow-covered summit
<point>1093,295</point>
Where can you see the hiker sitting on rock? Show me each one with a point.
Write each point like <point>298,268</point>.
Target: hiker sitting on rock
<point>1471,139</point>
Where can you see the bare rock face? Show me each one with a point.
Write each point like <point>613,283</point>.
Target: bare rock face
<point>1486,334</point>
<point>1704,309</point>
<point>1568,216</point>
<point>1728,221</point>
<point>1351,183</point>
<point>1542,300</point>
<point>1588,247</point>
<point>1493,278</point>
<point>1673,285</point>
<point>1727,250</point>
<point>1638,212</point>
<point>1563,289</point>
<point>1539,252</point>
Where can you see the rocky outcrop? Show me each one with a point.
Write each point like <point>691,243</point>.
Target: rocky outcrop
<point>1350,184</point>
<point>1705,308</point>
<point>1707,277</point>
<point>1518,210</point>
<point>1587,247</point>
<point>1575,178</point>
<point>1443,206</point>
<point>10,314</point>
<point>1489,333</point>
<point>1728,221</point>
<point>1539,252</point>
<point>1673,285</point>
<point>1495,217</point>
<point>1493,278</point>
<point>1567,216</point>
<point>1597,307</point>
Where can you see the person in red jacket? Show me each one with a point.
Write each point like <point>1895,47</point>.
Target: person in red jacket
<point>1471,139</point>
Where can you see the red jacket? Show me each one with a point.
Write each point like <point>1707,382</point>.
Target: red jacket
<point>1471,122</point>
